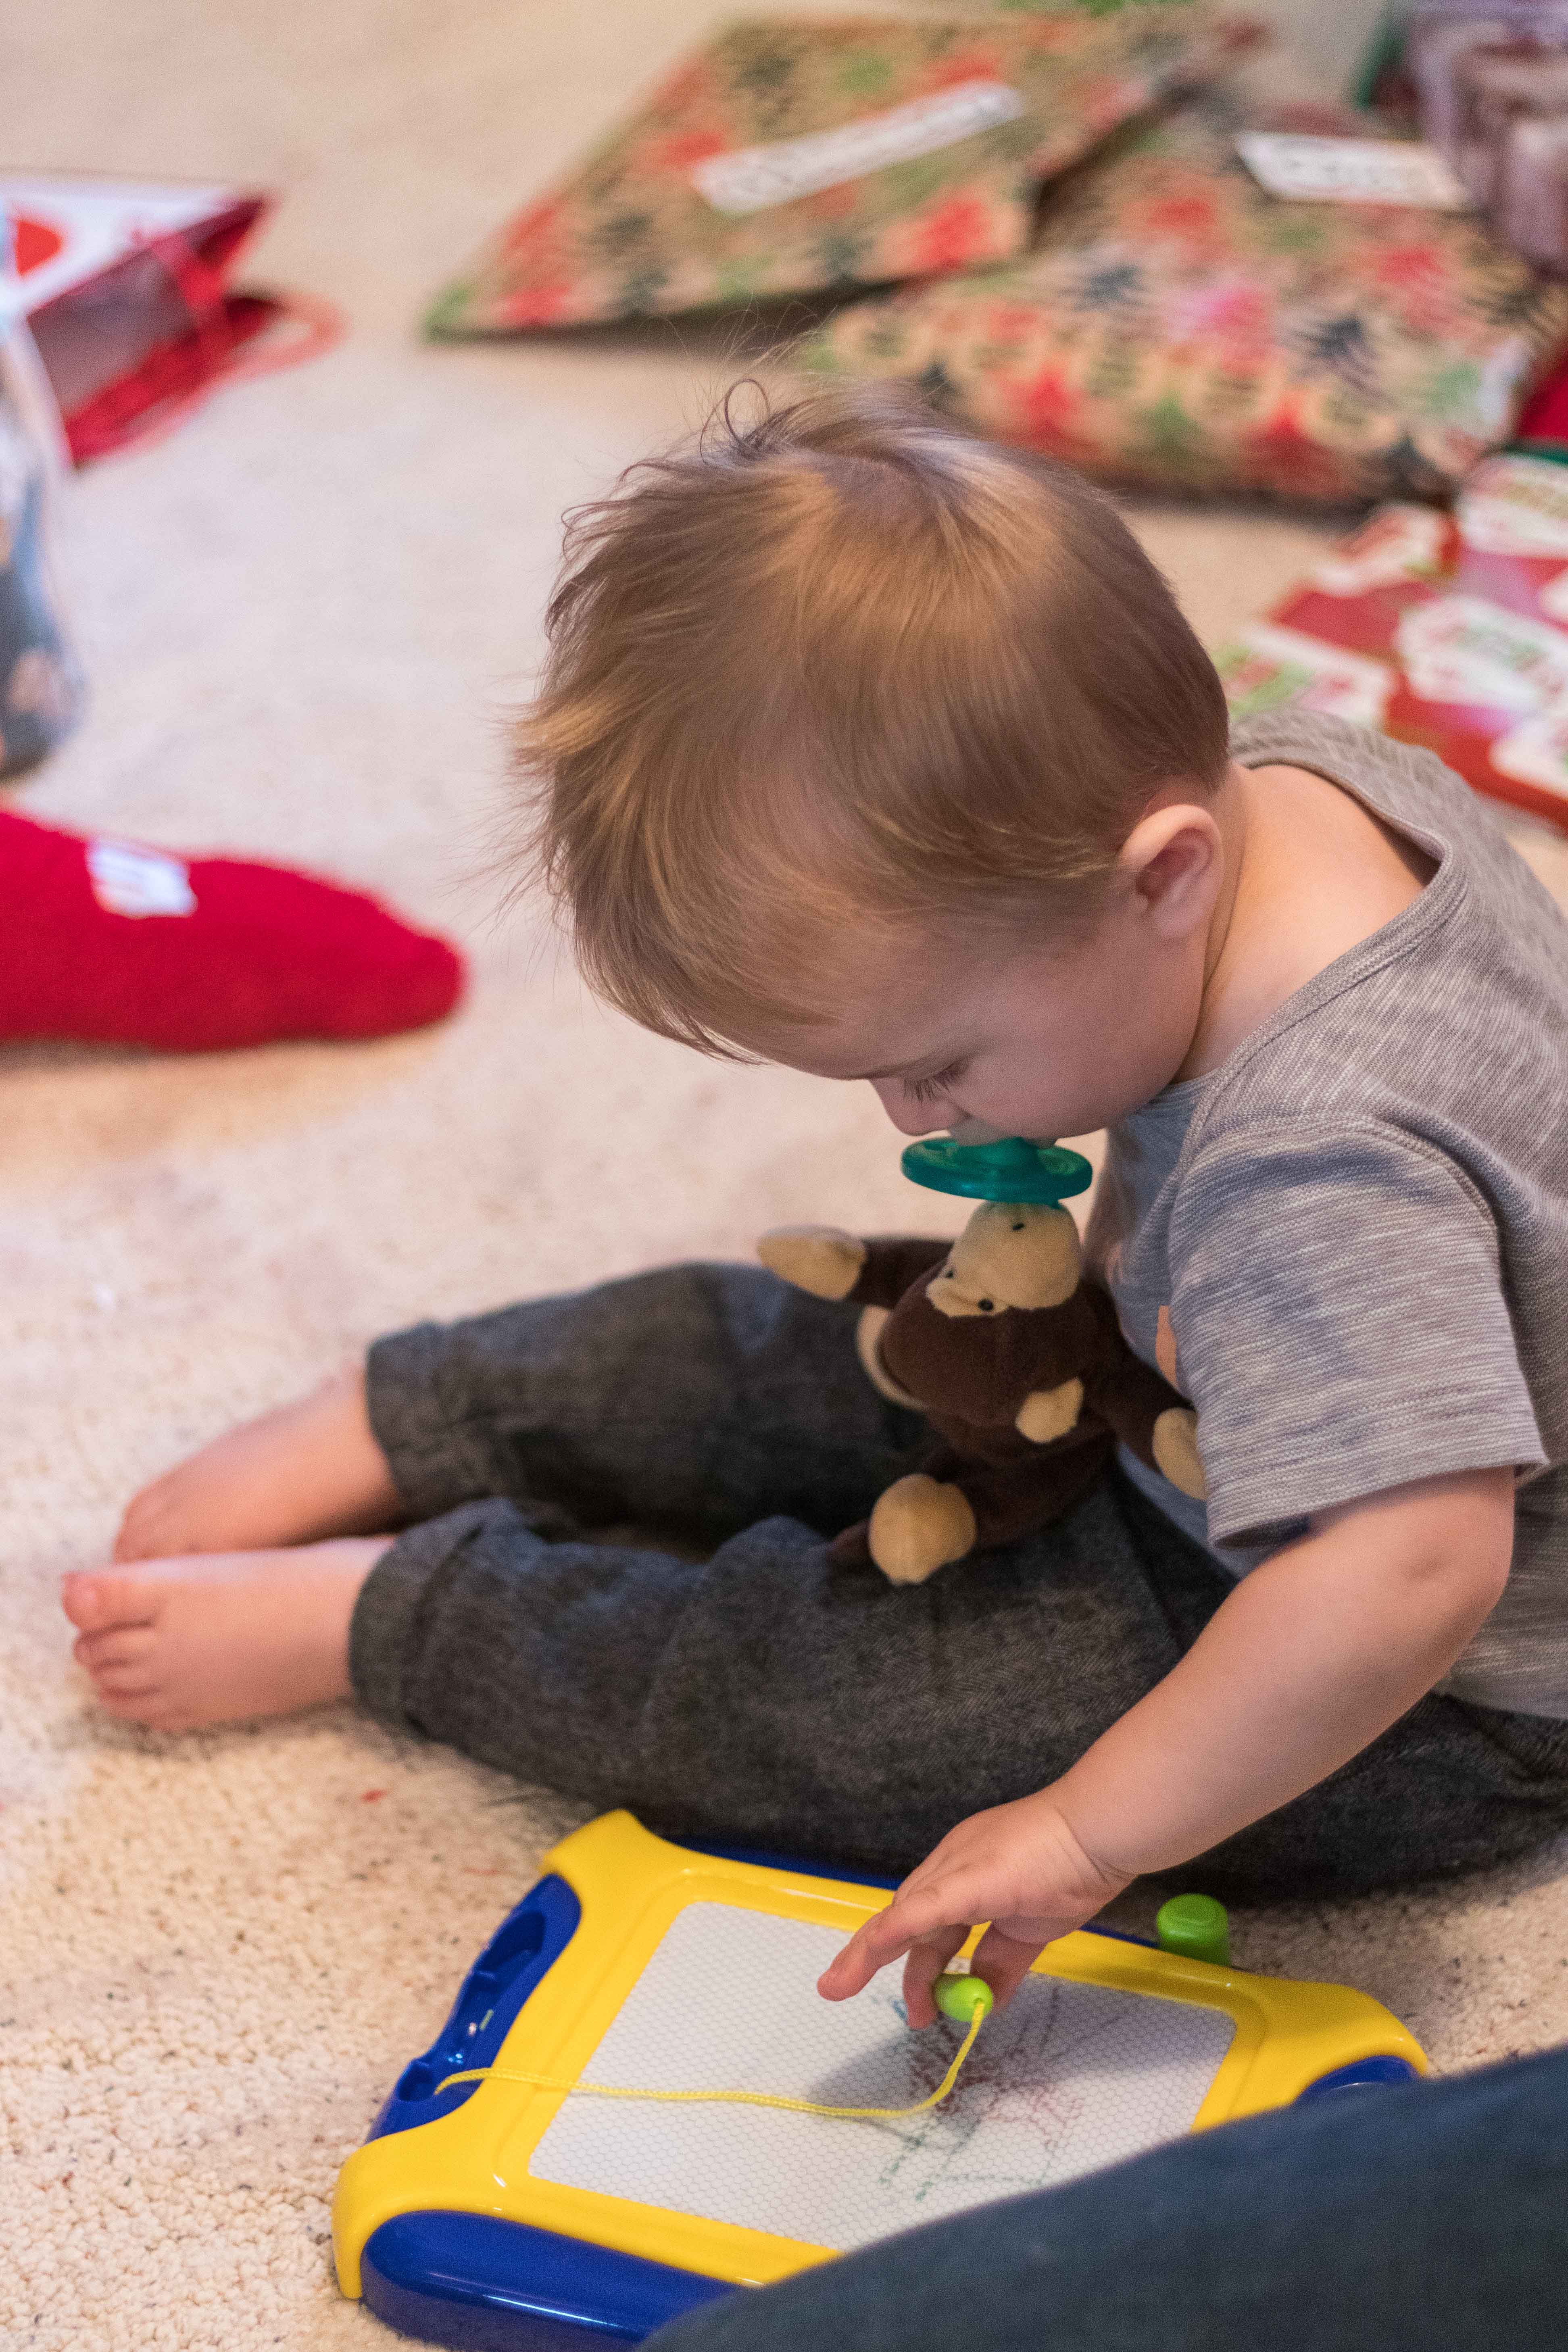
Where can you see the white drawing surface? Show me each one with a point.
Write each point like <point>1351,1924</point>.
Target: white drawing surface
<point>1070,2078</point>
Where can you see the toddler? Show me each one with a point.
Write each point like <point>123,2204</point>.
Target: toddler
<point>873,750</point>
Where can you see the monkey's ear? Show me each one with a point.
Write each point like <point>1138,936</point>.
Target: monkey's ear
<point>821,1259</point>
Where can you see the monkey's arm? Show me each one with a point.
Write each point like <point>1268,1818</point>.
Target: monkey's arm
<point>832,1264</point>
<point>1150,1417</point>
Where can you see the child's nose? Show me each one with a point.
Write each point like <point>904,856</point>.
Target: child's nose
<point>910,1118</point>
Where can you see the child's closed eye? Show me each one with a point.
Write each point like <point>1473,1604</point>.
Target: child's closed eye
<point>925,1090</point>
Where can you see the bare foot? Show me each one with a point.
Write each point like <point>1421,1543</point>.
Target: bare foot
<point>223,1637</point>
<point>310,1469</point>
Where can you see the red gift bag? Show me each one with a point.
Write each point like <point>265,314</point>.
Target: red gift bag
<point>125,285</point>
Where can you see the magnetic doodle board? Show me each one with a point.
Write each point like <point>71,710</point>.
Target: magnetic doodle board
<point>1069,2078</point>
<point>488,2185</point>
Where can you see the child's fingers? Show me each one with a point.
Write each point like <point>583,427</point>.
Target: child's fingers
<point>915,1915</point>
<point>851,1972</point>
<point>924,1964</point>
<point>870,1949</point>
<point>1004,1961</point>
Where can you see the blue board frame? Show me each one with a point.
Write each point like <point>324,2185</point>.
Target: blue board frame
<point>527,1944</point>
<point>481,2284</point>
<point>487,2285</point>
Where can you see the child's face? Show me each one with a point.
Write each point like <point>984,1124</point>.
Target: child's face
<point>1027,1041</point>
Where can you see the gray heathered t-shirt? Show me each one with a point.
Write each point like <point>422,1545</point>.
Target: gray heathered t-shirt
<point>1357,1226</point>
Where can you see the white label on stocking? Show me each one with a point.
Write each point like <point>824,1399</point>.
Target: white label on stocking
<point>128,879</point>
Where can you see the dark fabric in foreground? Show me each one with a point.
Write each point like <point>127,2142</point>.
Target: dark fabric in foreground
<point>1432,2218</point>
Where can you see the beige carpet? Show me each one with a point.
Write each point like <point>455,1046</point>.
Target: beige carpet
<point>303,616</point>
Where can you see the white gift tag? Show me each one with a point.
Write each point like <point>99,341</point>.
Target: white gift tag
<point>1315,170</point>
<point>750,179</point>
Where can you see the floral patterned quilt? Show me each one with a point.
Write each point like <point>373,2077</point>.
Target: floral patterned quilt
<point>1177,327</point>
<point>791,156</point>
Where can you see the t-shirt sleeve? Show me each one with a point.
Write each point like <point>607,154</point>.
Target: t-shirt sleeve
<point>1341,1323</point>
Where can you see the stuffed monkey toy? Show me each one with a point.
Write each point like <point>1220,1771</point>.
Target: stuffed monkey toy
<point>1018,1365</point>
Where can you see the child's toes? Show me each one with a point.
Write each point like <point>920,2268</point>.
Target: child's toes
<point>132,1680</point>
<point>149,1529</point>
<point>121,1645</point>
<point>96,1599</point>
<point>132,1541</point>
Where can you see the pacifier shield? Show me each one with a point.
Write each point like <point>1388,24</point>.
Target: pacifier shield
<point>1011,1170</point>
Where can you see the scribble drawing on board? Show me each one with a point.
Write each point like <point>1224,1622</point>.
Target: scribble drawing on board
<point>1071,2078</point>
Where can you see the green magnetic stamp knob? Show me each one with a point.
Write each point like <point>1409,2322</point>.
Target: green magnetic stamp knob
<point>1197,1926</point>
<point>962,1998</point>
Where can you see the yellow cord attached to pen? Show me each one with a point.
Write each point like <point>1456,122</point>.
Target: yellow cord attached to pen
<point>957,1996</point>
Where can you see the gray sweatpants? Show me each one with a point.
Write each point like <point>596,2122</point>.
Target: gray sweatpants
<point>763,1696</point>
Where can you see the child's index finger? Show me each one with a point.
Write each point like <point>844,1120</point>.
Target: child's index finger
<point>848,1972</point>
<point>909,1919</point>
<point>870,1948</point>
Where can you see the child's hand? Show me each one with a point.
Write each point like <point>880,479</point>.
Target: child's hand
<point>1304,1662</point>
<point>1020,1866</point>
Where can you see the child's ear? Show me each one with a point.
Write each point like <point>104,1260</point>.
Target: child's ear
<point>1171,863</point>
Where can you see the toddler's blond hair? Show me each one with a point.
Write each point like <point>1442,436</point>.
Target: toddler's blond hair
<point>835,671</point>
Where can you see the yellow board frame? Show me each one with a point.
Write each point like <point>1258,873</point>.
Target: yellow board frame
<point>631,1886</point>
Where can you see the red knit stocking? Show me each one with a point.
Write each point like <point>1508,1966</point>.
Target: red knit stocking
<point>105,940</point>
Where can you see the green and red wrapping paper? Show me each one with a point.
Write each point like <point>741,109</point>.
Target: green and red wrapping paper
<point>1175,327</point>
<point>792,156</point>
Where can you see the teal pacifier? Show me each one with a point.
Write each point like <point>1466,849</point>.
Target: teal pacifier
<point>1011,1170</point>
